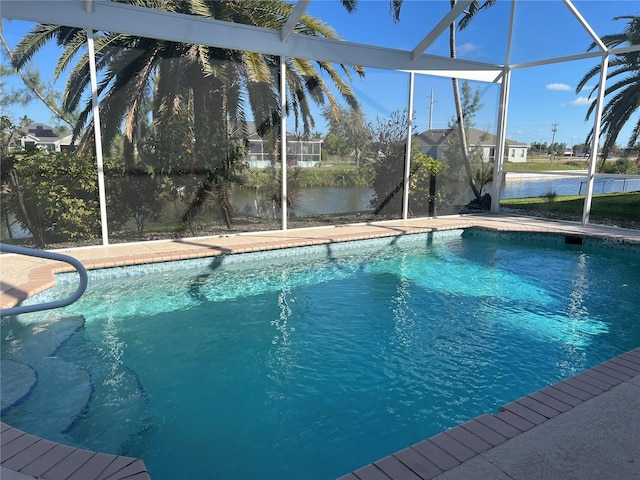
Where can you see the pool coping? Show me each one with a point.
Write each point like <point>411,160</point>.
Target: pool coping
<point>29,276</point>
<point>34,457</point>
<point>22,279</point>
<point>466,444</point>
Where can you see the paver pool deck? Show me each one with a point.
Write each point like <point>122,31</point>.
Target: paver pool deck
<point>585,427</point>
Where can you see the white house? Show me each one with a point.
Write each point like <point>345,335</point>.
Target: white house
<point>42,137</point>
<point>434,144</point>
<point>301,152</point>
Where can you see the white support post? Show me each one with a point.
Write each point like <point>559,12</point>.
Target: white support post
<point>407,156</point>
<point>498,161</point>
<point>503,110</point>
<point>98,138</point>
<point>595,140</point>
<point>283,139</point>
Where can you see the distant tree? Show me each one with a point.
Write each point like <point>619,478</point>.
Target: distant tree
<point>10,134</point>
<point>581,149</point>
<point>538,148</point>
<point>335,144</point>
<point>557,148</point>
<point>348,133</point>
<point>34,86</point>
<point>389,144</point>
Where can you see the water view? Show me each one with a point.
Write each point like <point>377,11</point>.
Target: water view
<point>523,185</point>
<point>332,200</point>
<point>328,200</point>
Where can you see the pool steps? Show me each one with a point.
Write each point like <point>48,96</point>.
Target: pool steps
<point>63,361</point>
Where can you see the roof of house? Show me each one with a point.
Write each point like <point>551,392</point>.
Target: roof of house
<point>42,133</point>
<point>475,137</point>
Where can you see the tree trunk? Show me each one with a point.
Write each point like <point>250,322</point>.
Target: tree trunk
<point>7,222</point>
<point>36,233</point>
<point>211,144</point>
<point>460,115</point>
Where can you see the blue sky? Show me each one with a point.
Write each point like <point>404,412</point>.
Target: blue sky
<point>540,96</point>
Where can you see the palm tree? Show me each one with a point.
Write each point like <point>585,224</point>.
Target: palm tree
<point>625,71</point>
<point>213,89</point>
<point>473,9</point>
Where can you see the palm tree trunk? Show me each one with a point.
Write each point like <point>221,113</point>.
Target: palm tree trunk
<point>210,131</point>
<point>460,115</point>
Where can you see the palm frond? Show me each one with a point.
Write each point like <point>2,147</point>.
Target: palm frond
<point>33,41</point>
<point>343,87</point>
<point>635,135</point>
<point>76,44</point>
<point>395,7</point>
<point>257,69</point>
<point>622,96</point>
<point>472,11</point>
<point>350,5</point>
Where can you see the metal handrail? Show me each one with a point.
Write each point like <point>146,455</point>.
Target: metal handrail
<point>32,252</point>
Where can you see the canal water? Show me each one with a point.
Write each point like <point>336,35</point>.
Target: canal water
<point>329,200</point>
<point>332,200</point>
<point>524,185</point>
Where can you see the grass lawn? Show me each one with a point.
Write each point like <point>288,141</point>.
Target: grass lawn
<point>621,209</point>
<point>541,165</point>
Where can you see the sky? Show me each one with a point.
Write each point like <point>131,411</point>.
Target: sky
<point>540,96</point>
<point>541,99</point>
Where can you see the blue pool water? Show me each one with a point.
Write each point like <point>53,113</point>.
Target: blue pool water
<point>312,366</point>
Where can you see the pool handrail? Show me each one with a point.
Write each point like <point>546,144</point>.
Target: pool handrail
<point>32,252</point>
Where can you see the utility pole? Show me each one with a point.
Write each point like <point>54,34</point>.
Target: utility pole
<point>554,129</point>
<point>431,102</point>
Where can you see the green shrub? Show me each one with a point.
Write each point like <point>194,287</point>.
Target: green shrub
<point>621,166</point>
<point>55,197</point>
<point>550,196</point>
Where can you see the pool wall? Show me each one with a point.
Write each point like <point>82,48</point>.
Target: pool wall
<point>628,246</point>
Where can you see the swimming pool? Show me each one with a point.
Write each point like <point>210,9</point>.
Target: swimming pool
<point>325,360</point>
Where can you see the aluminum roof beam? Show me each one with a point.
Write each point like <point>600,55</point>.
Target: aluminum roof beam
<point>442,25</point>
<point>585,25</point>
<point>290,24</point>
<point>145,22</point>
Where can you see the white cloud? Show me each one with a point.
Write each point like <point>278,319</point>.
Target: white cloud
<point>559,86</point>
<point>581,102</point>
<point>466,48</point>
<point>587,88</point>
